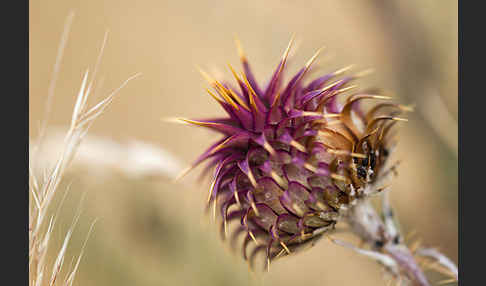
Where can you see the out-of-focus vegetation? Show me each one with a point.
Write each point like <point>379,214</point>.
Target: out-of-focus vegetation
<point>151,231</point>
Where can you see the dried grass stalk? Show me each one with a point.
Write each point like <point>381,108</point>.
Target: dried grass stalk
<point>43,190</point>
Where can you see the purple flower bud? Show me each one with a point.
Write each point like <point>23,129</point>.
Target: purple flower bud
<point>292,155</point>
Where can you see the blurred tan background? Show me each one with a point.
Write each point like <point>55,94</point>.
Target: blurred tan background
<point>154,232</point>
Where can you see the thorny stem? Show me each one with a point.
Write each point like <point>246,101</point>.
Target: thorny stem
<point>387,246</point>
<point>404,258</point>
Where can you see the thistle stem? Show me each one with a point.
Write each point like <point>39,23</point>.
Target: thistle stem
<point>368,225</point>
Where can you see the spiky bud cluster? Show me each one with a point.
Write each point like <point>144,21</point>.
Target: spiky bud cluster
<point>293,155</point>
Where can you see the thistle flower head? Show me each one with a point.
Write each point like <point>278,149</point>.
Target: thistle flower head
<point>293,154</point>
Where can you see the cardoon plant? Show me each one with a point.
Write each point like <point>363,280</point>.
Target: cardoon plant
<point>296,158</point>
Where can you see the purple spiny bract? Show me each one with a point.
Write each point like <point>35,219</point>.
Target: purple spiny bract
<point>292,156</point>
